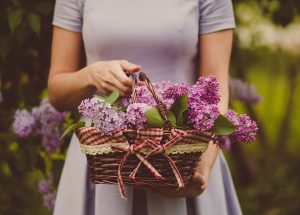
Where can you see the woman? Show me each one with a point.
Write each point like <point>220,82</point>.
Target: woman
<point>169,40</point>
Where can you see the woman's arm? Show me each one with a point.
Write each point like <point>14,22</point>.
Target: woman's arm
<point>214,52</point>
<point>68,84</point>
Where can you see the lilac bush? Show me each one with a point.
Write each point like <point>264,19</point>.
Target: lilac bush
<point>49,125</point>
<point>24,123</point>
<point>43,121</point>
<point>239,90</point>
<point>46,187</point>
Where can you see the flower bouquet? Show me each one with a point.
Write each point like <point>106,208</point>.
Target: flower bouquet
<point>156,136</point>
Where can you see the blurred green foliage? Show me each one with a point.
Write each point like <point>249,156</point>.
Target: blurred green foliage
<point>265,173</point>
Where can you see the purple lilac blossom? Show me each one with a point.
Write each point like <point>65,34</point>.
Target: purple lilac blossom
<point>45,185</point>
<point>223,142</point>
<point>202,103</point>
<point>49,125</point>
<point>205,90</point>
<point>202,116</point>
<point>136,115</point>
<point>144,95</point>
<point>246,128</point>
<point>239,90</point>
<point>105,117</point>
<point>172,92</point>
<point>24,123</point>
<point>49,200</point>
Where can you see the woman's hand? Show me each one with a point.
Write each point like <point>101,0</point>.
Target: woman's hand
<point>109,76</point>
<point>199,180</point>
<point>198,185</point>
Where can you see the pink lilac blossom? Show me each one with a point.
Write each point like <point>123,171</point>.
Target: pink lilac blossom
<point>105,117</point>
<point>136,115</point>
<point>246,128</point>
<point>24,123</point>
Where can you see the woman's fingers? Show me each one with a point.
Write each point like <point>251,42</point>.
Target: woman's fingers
<point>198,179</point>
<point>129,67</point>
<point>119,74</point>
<point>113,84</point>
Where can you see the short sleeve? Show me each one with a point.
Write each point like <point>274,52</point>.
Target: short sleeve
<point>215,15</point>
<point>68,15</point>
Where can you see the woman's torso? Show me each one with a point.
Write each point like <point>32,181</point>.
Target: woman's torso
<point>161,36</point>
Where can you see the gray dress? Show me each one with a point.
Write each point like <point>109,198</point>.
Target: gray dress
<point>162,37</point>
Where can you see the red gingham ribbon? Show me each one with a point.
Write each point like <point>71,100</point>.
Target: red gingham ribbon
<point>156,149</point>
<point>133,149</point>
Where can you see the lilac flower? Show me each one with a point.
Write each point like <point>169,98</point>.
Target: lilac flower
<point>1,97</point>
<point>172,92</point>
<point>23,123</point>
<point>206,90</point>
<point>45,185</point>
<point>105,117</point>
<point>239,90</point>
<point>144,95</point>
<point>89,107</point>
<point>49,200</point>
<point>136,115</point>
<point>202,116</point>
<point>246,128</point>
<point>51,139</point>
<point>223,142</point>
<point>233,117</point>
<point>49,125</point>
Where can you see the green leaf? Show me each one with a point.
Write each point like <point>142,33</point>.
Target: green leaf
<point>72,127</point>
<point>112,97</point>
<point>179,107</point>
<point>154,119</point>
<point>14,19</point>
<point>172,118</point>
<point>99,97</point>
<point>223,126</point>
<point>34,21</point>
<point>116,103</point>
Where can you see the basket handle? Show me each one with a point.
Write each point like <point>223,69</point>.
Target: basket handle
<point>160,105</point>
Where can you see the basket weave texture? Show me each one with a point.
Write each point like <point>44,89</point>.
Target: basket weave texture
<point>153,156</point>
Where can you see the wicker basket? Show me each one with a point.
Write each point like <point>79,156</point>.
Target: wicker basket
<point>155,156</point>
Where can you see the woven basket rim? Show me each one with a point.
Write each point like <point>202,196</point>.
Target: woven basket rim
<point>165,131</point>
